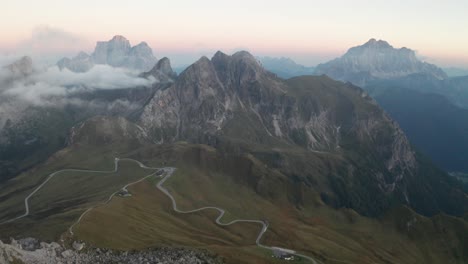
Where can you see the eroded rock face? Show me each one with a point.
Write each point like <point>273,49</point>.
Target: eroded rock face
<point>377,59</point>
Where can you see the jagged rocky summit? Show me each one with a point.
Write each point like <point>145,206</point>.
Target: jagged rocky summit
<point>116,52</point>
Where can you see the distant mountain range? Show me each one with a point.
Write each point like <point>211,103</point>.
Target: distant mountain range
<point>376,60</point>
<point>116,52</point>
<point>285,67</point>
<point>420,96</point>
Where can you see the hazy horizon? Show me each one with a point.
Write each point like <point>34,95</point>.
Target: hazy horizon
<point>309,32</point>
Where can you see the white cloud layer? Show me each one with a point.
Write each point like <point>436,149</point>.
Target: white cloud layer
<point>40,87</point>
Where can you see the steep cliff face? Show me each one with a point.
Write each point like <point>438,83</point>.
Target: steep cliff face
<point>232,100</point>
<point>377,59</point>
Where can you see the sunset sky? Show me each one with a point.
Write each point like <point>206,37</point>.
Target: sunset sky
<point>308,31</point>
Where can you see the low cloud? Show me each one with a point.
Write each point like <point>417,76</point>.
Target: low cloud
<point>44,87</point>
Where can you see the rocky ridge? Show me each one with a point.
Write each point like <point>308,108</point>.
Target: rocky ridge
<point>210,94</point>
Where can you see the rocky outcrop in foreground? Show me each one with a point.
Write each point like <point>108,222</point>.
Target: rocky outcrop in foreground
<point>30,250</point>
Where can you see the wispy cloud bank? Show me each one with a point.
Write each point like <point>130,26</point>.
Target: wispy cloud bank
<point>41,86</point>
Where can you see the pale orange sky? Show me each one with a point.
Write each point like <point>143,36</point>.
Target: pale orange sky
<point>310,32</point>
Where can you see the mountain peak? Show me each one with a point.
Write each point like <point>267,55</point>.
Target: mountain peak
<point>21,67</point>
<point>142,44</point>
<point>119,38</point>
<point>162,71</point>
<point>81,55</point>
<point>203,61</point>
<point>116,52</point>
<point>164,65</point>
<point>244,55</point>
<point>25,60</point>
<point>242,63</point>
<point>204,66</point>
<point>377,43</point>
<point>80,63</point>
<point>219,55</point>
<point>141,50</point>
<point>248,62</point>
<point>377,59</point>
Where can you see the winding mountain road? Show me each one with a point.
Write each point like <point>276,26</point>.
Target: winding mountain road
<point>52,175</point>
<point>70,229</point>
<point>169,171</point>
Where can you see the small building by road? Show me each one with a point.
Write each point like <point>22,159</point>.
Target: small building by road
<point>124,193</point>
<point>283,253</point>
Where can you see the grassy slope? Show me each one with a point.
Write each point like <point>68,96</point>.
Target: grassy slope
<point>59,203</point>
<point>147,219</point>
<point>243,185</point>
